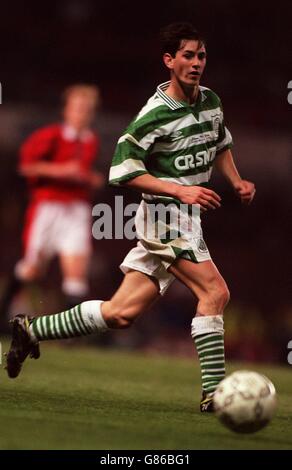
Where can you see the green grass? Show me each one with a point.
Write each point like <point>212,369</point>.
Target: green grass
<point>86,398</point>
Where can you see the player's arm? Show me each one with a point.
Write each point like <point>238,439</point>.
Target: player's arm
<point>149,184</point>
<point>129,168</point>
<point>33,154</point>
<point>95,178</point>
<point>225,164</point>
<point>68,171</point>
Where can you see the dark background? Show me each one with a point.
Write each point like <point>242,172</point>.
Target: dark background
<point>47,46</point>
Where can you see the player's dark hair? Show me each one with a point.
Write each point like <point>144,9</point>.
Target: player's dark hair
<point>173,34</point>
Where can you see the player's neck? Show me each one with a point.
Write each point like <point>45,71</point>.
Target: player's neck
<point>181,92</point>
<point>76,128</point>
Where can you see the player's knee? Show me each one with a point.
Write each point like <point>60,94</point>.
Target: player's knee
<point>75,287</point>
<point>121,321</point>
<point>124,322</point>
<point>223,296</point>
<point>119,316</point>
<point>26,272</point>
<point>217,296</point>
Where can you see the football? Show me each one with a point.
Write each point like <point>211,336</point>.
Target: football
<point>245,401</point>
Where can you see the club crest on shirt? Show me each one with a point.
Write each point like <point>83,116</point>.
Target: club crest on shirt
<point>202,247</point>
<point>176,135</point>
<point>216,123</point>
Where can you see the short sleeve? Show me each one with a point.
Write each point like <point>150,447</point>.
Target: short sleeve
<point>224,140</point>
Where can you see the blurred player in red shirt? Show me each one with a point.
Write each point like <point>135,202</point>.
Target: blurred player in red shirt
<point>57,161</point>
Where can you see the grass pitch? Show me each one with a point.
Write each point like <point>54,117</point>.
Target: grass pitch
<point>87,398</point>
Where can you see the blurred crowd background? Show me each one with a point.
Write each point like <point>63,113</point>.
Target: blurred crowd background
<point>46,47</point>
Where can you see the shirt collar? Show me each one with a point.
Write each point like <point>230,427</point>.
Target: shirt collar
<point>171,102</point>
<point>69,133</point>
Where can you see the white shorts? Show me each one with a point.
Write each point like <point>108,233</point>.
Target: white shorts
<point>154,254</point>
<point>57,228</point>
<point>140,259</point>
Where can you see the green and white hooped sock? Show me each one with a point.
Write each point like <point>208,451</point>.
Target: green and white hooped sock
<point>82,320</point>
<point>208,334</point>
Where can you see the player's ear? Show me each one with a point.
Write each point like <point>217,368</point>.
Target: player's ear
<point>168,60</point>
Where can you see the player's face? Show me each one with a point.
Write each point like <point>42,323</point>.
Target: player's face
<point>189,62</point>
<point>79,111</point>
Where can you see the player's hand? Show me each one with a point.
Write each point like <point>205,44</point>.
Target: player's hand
<point>65,171</point>
<point>71,171</point>
<point>96,180</point>
<point>245,190</point>
<point>206,198</point>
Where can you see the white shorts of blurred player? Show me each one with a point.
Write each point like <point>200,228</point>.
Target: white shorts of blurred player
<point>155,252</point>
<point>55,228</point>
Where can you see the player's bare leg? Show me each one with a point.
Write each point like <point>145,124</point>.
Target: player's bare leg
<point>21,278</point>
<point>75,277</point>
<point>74,273</point>
<point>207,284</point>
<point>136,293</point>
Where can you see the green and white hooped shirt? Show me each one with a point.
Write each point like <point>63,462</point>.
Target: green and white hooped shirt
<point>172,140</point>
